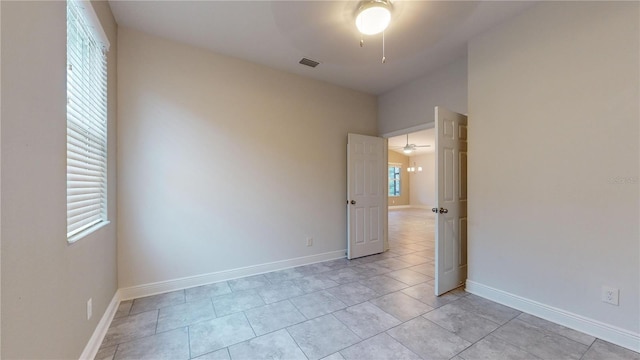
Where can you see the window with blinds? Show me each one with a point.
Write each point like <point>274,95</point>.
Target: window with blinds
<point>86,121</point>
<point>394,179</point>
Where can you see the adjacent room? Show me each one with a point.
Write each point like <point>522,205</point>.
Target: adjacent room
<point>411,185</point>
<point>286,180</point>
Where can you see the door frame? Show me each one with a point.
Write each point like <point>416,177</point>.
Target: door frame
<point>426,125</point>
<point>409,130</point>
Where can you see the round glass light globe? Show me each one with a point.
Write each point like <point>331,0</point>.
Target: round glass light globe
<point>373,20</point>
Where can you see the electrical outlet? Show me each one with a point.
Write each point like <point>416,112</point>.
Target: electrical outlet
<point>309,241</point>
<point>610,295</point>
<point>89,308</point>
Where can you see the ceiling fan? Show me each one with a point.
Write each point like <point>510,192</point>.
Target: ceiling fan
<point>409,148</point>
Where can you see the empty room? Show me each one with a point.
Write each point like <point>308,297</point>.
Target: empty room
<point>376,179</point>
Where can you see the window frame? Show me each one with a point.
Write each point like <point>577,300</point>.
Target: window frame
<point>396,179</point>
<point>87,121</point>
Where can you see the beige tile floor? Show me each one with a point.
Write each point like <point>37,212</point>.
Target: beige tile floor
<point>378,307</point>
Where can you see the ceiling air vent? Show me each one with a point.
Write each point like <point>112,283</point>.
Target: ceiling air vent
<point>309,62</point>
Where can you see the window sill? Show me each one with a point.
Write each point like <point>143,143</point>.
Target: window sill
<point>87,231</point>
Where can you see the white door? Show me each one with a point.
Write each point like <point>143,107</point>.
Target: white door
<point>366,196</point>
<point>451,199</point>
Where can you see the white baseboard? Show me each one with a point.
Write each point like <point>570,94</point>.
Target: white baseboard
<point>160,287</point>
<point>610,333</point>
<point>92,347</point>
<point>410,207</point>
<point>399,206</point>
<point>422,207</point>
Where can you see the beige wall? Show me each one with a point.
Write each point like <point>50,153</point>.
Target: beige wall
<point>424,182</point>
<point>553,158</point>
<point>46,282</point>
<point>405,179</point>
<point>413,104</point>
<point>224,164</point>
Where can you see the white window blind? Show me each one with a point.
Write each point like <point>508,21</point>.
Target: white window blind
<point>86,121</point>
<point>394,179</point>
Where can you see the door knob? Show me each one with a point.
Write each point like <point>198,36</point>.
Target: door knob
<point>353,202</point>
<point>443,211</point>
<point>435,210</point>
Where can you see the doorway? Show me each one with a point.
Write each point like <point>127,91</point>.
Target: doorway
<point>411,196</point>
<point>450,196</point>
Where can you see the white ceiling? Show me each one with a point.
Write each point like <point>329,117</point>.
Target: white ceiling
<point>423,35</point>
<point>423,137</point>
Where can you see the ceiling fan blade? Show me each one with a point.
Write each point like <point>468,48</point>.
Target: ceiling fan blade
<point>422,145</point>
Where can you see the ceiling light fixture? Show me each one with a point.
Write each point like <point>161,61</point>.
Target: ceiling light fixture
<point>414,168</point>
<point>373,17</point>
<point>409,148</point>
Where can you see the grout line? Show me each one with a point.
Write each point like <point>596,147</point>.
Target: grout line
<point>157,320</point>
<point>213,307</point>
<point>189,340</point>
<point>129,311</point>
<point>294,340</point>
<point>255,335</point>
<point>144,337</point>
<point>272,331</point>
<point>389,256</point>
<point>505,341</point>
<point>115,352</point>
<point>589,348</point>
<point>554,332</point>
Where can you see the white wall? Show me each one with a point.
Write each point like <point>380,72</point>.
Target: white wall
<point>46,282</point>
<point>553,158</point>
<point>413,104</point>
<point>0,182</point>
<point>423,184</point>
<point>223,163</point>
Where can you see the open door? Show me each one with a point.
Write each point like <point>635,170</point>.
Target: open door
<point>451,199</point>
<point>366,196</point>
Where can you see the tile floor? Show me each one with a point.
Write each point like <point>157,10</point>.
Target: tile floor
<point>377,307</point>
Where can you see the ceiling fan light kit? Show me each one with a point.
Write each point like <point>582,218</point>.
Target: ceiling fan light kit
<point>373,17</point>
<point>409,148</point>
